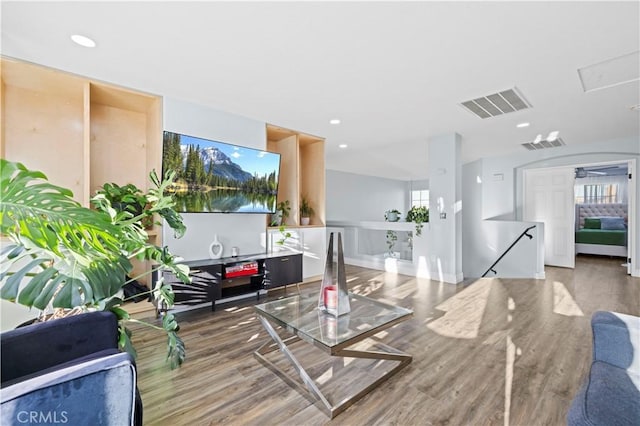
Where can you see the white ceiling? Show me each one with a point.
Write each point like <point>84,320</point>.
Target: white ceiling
<point>394,73</point>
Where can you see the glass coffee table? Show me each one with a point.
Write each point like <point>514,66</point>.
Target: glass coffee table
<point>300,317</point>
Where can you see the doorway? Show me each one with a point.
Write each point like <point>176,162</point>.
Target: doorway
<point>602,197</point>
<point>551,194</point>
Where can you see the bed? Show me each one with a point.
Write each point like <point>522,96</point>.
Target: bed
<point>601,229</point>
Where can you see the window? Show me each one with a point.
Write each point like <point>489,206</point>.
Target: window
<point>598,193</point>
<point>420,198</point>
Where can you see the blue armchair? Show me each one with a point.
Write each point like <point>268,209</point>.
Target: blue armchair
<point>610,394</point>
<point>68,371</point>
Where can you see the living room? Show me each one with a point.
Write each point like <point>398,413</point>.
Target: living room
<point>281,73</point>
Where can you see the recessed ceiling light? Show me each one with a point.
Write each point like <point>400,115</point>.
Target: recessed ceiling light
<point>334,121</point>
<point>521,125</point>
<point>342,145</point>
<point>538,139</point>
<point>553,136</point>
<point>83,40</point>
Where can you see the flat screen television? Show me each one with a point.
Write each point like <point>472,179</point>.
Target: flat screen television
<point>217,177</point>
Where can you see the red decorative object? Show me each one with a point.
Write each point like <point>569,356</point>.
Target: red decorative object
<point>241,269</point>
<point>331,297</point>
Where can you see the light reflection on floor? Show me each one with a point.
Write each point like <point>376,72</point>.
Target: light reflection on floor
<point>464,311</point>
<point>463,317</point>
<point>563,302</point>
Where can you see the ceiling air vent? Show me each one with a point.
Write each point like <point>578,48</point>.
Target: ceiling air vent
<point>497,104</point>
<point>532,146</point>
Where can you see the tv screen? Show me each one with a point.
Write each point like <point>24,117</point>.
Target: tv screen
<point>217,177</point>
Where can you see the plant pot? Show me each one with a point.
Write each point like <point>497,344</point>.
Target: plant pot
<point>304,221</point>
<point>276,218</point>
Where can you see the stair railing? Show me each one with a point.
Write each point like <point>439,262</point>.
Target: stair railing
<point>525,232</point>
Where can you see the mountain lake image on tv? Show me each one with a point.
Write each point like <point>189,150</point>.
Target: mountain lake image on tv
<point>214,176</point>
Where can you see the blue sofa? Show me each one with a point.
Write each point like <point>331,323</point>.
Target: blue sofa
<point>610,394</point>
<point>68,371</point>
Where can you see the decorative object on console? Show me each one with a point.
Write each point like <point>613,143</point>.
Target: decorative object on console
<point>334,297</point>
<point>235,251</point>
<point>216,248</point>
<point>306,211</point>
<point>241,269</point>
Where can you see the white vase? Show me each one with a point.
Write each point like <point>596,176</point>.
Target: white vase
<point>216,248</point>
<point>304,221</point>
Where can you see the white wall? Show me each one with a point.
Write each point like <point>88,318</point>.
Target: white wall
<point>445,202</point>
<point>245,231</point>
<point>353,197</point>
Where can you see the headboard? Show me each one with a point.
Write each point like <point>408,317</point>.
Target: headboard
<point>599,210</point>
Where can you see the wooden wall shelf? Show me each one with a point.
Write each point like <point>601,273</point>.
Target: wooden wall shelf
<point>302,172</point>
<point>81,133</point>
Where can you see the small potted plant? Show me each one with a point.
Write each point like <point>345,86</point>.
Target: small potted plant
<point>306,211</point>
<point>128,198</point>
<point>419,215</point>
<point>392,215</point>
<point>282,213</point>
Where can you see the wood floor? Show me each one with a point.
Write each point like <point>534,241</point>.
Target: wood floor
<point>485,352</point>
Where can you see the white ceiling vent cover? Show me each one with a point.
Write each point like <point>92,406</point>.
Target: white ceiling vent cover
<point>497,103</point>
<point>530,146</point>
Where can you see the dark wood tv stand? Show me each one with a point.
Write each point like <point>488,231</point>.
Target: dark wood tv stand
<point>219,280</point>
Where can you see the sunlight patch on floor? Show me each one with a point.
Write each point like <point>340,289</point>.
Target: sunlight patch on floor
<point>464,311</point>
<point>391,265</point>
<point>508,382</point>
<point>325,377</point>
<point>563,302</point>
<point>367,289</point>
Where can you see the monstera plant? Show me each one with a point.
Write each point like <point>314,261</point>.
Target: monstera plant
<point>66,258</point>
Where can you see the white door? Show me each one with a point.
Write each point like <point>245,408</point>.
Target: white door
<point>631,218</point>
<point>549,198</point>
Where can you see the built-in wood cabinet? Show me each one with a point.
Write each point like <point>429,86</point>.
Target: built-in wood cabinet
<point>302,171</point>
<point>81,133</point>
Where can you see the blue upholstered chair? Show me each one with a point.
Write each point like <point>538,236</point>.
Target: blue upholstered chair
<point>610,395</point>
<point>68,371</point>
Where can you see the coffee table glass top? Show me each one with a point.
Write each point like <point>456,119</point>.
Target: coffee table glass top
<point>300,315</point>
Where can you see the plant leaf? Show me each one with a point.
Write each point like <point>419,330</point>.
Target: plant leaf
<point>31,291</point>
<point>46,214</point>
<point>124,341</point>
<point>10,288</point>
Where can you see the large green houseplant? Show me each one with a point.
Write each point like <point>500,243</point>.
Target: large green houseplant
<point>65,257</point>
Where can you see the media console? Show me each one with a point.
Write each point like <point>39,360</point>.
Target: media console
<point>214,280</point>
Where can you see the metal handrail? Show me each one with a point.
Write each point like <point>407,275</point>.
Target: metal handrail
<point>507,250</point>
